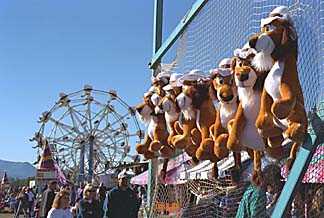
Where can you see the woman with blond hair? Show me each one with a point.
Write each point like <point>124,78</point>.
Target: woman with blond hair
<point>61,207</point>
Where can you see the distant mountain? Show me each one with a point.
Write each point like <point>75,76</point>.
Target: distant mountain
<point>18,170</point>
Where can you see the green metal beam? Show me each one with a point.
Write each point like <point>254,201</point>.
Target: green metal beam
<point>176,32</point>
<point>158,25</point>
<point>300,166</point>
<point>157,42</point>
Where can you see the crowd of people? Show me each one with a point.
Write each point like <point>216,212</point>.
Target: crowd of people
<point>69,201</point>
<point>244,199</point>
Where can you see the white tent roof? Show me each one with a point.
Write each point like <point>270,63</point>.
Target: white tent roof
<point>204,169</point>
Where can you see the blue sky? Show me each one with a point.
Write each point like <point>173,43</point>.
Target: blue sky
<point>47,47</point>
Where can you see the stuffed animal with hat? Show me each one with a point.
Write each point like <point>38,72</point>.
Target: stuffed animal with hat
<point>157,134</point>
<point>168,105</point>
<point>282,98</point>
<point>188,119</point>
<point>203,107</point>
<point>206,114</point>
<point>243,134</point>
<point>161,133</point>
<point>145,111</point>
<point>226,92</point>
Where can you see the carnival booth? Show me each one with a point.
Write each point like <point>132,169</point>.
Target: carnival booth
<point>247,101</point>
<point>47,169</point>
<point>174,167</point>
<point>170,187</point>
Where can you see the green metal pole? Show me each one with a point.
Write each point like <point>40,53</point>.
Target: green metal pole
<point>176,33</point>
<point>300,166</point>
<point>157,31</point>
<point>157,42</point>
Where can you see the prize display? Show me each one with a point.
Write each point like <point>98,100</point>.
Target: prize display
<point>251,102</point>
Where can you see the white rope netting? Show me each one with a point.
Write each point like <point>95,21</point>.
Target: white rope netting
<point>218,29</point>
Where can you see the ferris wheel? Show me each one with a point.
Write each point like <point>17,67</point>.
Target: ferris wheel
<point>89,132</point>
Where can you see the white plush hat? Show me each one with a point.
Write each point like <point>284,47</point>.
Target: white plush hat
<point>280,12</point>
<point>221,71</point>
<point>149,92</point>
<point>225,63</point>
<point>244,52</point>
<point>193,75</point>
<point>173,82</point>
<point>224,68</point>
<point>268,20</point>
<point>163,76</point>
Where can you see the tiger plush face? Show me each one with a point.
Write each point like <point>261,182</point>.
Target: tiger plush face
<point>225,88</point>
<point>277,36</point>
<point>167,105</point>
<point>145,109</point>
<point>245,76</point>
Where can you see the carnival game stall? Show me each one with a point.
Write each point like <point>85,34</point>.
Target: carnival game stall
<point>241,93</point>
<point>47,169</point>
<point>170,189</point>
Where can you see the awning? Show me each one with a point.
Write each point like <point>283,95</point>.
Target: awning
<point>204,169</point>
<point>175,166</point>
<point>315,171</point>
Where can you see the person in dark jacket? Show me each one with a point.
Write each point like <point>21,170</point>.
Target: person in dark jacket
<point>47,199</point>
<point>88,206</point>
<point>122,200</point>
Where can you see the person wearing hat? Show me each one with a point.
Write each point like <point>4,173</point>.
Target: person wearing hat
<point>122,201</point>
<point>89,206</point>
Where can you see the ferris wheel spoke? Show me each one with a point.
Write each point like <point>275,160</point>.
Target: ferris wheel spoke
<point>100,104</point>
<point>74,117</point>
<point>101,112</point>
<point>102,155</point>
<point>88,100</point>
<point>132,134</point>
<point>101,118</point>
<point>64,137</point>
<point>115,150</point>
<point>64,159</point>
<point>108,129</point>
<point>118,120</point>
<point>113,133</point>
<point>78,112</point>
<point>64,126</point>
<point>115,142</point>
<point>63,144</point>
<point>53,131</point>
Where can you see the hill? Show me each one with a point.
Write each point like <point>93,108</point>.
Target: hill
<point>20,170</point>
